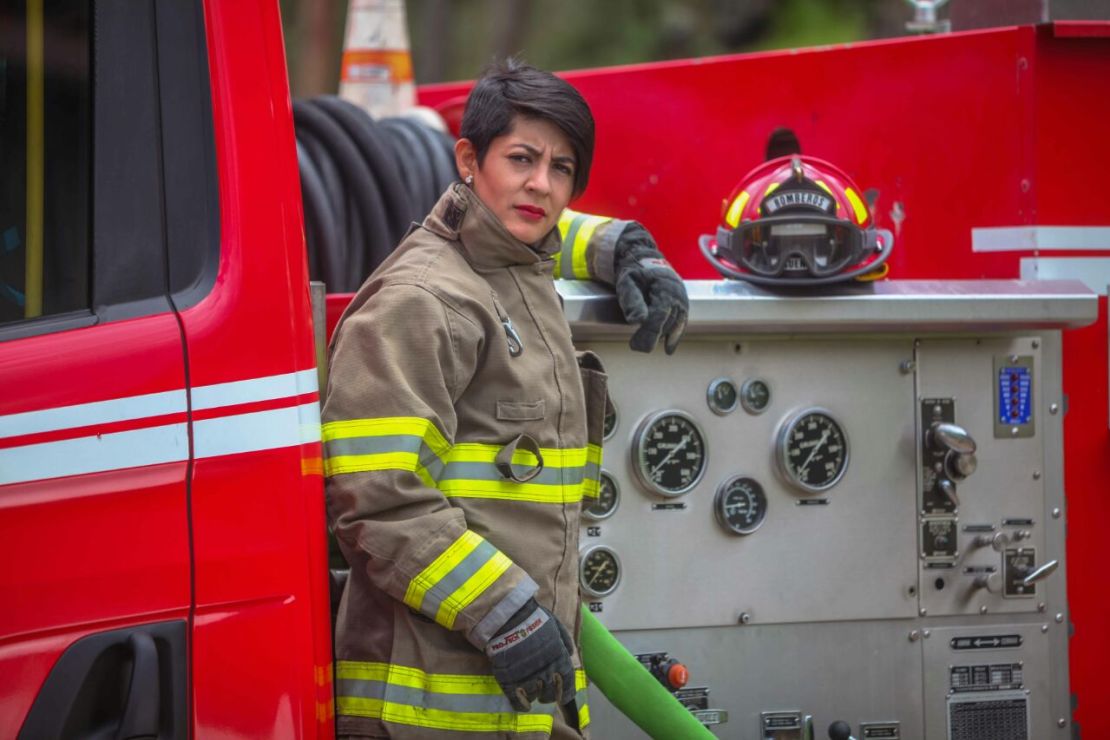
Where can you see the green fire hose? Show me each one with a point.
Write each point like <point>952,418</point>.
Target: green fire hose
<point>630,688</point>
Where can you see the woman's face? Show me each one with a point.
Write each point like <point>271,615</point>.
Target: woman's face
<point>527,177</point>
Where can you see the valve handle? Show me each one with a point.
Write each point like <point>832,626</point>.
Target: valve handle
<point>840,730</point>
<point>948,488</point>
<point>1041,573</point>
<point>949,436</point>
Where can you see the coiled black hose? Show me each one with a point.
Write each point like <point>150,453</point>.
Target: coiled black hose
<point>363,183</point>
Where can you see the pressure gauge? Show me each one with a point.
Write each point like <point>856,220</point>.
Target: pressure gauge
<point>812,450</point>
<point>721,396</point>
<point>755,395</point>
<point>610,424</point>
<point>668,453</point>
<point>740,505</point>
<point>599,571</point>
<point>608,497</point>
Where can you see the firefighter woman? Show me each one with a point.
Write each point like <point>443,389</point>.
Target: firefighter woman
<point>462,432</point>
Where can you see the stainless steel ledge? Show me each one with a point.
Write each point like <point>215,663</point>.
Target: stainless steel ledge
<point>890,306</point>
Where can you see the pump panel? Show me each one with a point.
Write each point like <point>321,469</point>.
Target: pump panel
<point>846,507</point>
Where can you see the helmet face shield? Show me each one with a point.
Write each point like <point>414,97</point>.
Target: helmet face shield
<point>795,246</point>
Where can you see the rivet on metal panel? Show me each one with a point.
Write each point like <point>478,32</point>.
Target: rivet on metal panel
<point>914,635</point>
<point>983,609</point>
<point>1055,513</point>
<point>912,590</point>
<point>1025,185</point>
<point>1054,408</point>
<point>1036,475</point>
<point>1061,722</point>
<point>738,348</point>
<point>1014,359</point>
<point>922,612</point>
<point>925,634</point>
<point>907,366</point>
<point>1014,431</point>
<point>1059,617</point>
<point>1041,606</point>
<point>744,618</point>
<point>1036,343</point>
<point>1044,628</point>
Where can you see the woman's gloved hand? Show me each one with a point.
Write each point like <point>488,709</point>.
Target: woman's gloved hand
<point>531,658</point>
<point>650,292</point>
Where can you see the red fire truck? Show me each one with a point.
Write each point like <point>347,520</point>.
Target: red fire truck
<point>163,563</point>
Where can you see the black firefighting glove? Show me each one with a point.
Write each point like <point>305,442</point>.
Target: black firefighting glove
<point>650,292</point>
<point>531,658</point>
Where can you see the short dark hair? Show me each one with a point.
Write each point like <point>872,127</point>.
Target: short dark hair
<point>511,88</point>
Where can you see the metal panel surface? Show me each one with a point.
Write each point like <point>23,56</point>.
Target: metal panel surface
<point>852,671</point>
<point>851,558</point>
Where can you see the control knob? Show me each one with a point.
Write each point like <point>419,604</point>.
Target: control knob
<point>958,446</point>
<point>840,730</point>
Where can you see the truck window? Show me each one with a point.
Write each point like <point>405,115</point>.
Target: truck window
<point>45,140</point>
<point>109,205</point>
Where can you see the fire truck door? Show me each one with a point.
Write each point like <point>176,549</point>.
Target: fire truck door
<point>105,154</point>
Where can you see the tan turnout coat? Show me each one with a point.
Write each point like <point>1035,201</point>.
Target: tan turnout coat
<point>452,376</point>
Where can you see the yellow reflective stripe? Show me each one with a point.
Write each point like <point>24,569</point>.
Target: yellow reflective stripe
<point>442,719</point>
<point>388,425</point>
<point>582,243</point>
<point>438,683</point>
<point>583,715</point>
<point>593,454</point>
<point>580,681</point>
<point>857,205</point>
<point>564,221</point>
<point>472,589</point>
<point>737,208</point>
<point>538,493</point>
<point>440,567</point>
<point>770,189</point>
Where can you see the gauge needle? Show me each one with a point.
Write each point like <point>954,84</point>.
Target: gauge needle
<point>667,458</point>
<point>820,443</point>
<point>598,572</point>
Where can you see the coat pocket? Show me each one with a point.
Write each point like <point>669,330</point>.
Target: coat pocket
<point>520,410</point>
<point>595,384</point>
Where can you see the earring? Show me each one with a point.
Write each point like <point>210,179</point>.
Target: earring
<point>469,180</point>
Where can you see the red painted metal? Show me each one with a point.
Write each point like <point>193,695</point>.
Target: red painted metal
<point>262,642</point>
<point>81,554</point>
<point>1003,127</point>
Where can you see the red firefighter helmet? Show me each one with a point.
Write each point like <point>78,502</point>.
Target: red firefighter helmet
<point>797,220</point>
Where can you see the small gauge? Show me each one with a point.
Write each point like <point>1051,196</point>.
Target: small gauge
<point>668,453</point>
<point>610,423</point>
<point>755,395</point>
<point>608,496</point>
<point>740,505</point>
<point>721,396</point>
<point>599,571</point>
<point>812,450</point>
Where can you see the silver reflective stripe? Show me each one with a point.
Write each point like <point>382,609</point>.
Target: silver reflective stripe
<point>415,697</point>
<point>377,445</point>
<point>456,577</point>
<point>488,471</point>
<point>507,607</point>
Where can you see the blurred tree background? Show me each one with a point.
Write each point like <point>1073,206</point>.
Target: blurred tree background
<point>455,39</point>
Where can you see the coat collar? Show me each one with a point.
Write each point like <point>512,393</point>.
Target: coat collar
<point>461,216</point>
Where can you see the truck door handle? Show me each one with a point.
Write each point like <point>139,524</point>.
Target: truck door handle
<point>141,710</point>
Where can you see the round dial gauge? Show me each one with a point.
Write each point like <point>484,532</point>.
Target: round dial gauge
<point>668,454</point>
<point>608,496</point>
<point>812,450</point>
<point>755,395</point>
<point>722,396</point>
<point>740,505</point>
<point>599,571</point>
<point>610,424</point>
